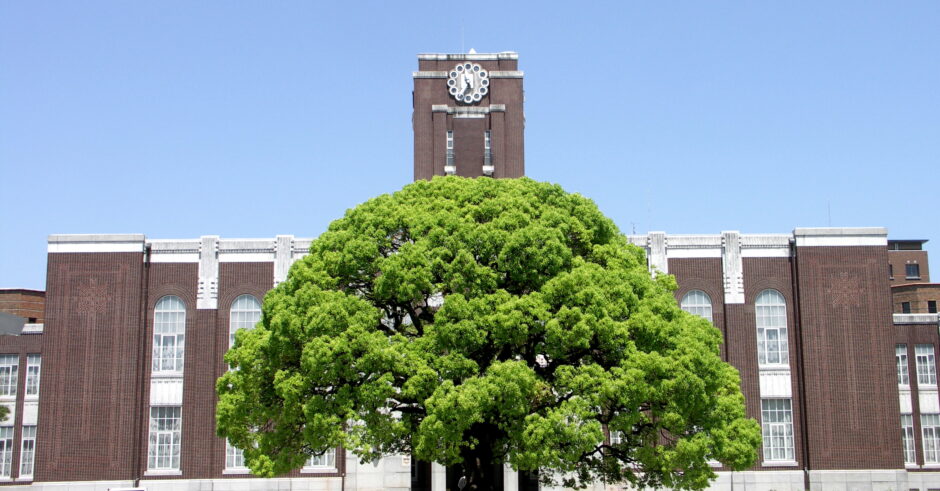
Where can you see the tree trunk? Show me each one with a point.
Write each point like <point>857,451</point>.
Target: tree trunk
<point>479,468</point>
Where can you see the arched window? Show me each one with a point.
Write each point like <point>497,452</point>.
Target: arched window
<point>771,310</point>
<point>698,303</point>
<point>245,313</point>
<point>169,334</point>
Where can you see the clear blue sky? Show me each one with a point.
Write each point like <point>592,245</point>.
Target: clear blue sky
<point>181,119</point>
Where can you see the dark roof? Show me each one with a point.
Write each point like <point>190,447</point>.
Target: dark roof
<point>906,244</point>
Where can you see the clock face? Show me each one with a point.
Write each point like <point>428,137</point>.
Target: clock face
<point>468,82</point>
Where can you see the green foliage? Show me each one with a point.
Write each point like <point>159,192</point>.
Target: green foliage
<point>505,318</point>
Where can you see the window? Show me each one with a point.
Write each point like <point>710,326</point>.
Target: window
<point>777,429</point>
<point>912,271</point>
<point>9,365</point>
<point>326,460</point>
<point>234,457</point>
<point>926,367</point>
<point>165,429</point>
<point>931,306</point>
<point>891,271</point>
<point>450,152</point>
<point>907,438</point>
<point>900,358</point>
<point>33,366</point>
<point>6,450</point>
<point>487,148</point>
<point>169,334</point>
<point>245,313</point>
<point>698,303</point>
<point>771,311</point>
<point>930,427</point>
<point>905,307</point>
<point>28,451</point>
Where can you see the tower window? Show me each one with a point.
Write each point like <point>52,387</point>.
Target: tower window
<point>912,271</point>
<point>449,167</point>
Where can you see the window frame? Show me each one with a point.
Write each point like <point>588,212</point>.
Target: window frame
<point>907,439</point>
<point>168,359</point>
<point>783,430</point>
<point>912,271</point>
<point>33,375</point>
<point>31,461</point>
<point>902,364</point>
<point>6,452</point>
<point>770,307</point>
<point>926,365</point>
<point>156,458</point>
<point>696,302</point>
<point>239,308</point>
<point>930,434</point>
<point>329,466</point>
<point>9,375</point>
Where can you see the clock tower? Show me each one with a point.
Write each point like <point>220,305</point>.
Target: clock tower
<point>468,118</point>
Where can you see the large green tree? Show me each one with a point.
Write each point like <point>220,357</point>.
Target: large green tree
<point>481,321</point>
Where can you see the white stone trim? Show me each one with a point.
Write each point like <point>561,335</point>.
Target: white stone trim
<point>904,400</point>
<point>841,237</point>
<point>775,383</point>
<point>246,250</point>
<point>84,243</point>
<point>506,73</point>
<point>174,251</point>
<point>429,74</point>
<point>929,402</point>
<point>732,267</point>
<point>505,55</point>
<point>673,253</point>
<point>779,463</point>
<point>166,391</point>
<point>467,111</point>
<point>656,248</point>
<point>30,413</point>
<point>207,291</point>
<point>32,328</point>
<point>916,318</point>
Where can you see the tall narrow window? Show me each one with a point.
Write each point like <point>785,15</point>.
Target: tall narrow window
<point>777,429</point>
<point>6,450</point>
<point>891,271</point>
<point>9,366</point>
<point>487,149</point>
<point>900,359</point>
<point>771,310</point>
<point>234,457</point>
<point>245,313</point>
<point>926,367</point>
<point>931,306</point>
<point>169,334</point>
<point>33,367</point>
<point>905,307</point>
<point>28,451</point>
<point>165,435</point>
<point>907,438</point>
<point>449,163</point>
<point>699,303</point>
<point>930,428</point>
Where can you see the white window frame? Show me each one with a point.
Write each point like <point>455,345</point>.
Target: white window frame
<point>33,373</point>
<point>773,344</point>
<point>777,430</point>
<point>325,462</point>
<point>169,336</point>
<point>244,314</point>
<point>697,302</point>
<point>926,365</point>
<point>930,431</point>
<point>9,368</point>
<point>6,451</point>
<point>164,443</point>
<point>28,452</point>
<point>907,439</point>
<point>234,459</point>
<point>900,359</point>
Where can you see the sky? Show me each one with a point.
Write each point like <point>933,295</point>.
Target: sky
<point>252,119</point>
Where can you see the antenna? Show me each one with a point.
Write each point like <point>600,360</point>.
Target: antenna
<point>829,212</point>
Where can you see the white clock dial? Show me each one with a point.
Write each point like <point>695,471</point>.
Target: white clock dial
<point>468,83</point>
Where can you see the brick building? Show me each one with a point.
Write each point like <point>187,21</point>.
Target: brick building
<point>135,330</point>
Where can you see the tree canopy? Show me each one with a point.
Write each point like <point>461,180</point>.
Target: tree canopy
<point>471,321</point>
